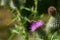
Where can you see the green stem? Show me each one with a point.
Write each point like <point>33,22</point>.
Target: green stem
<point>26,37</point>
<point>35,11</point>
<point>12,36</point>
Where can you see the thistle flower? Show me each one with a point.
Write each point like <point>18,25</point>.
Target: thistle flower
<point>53,24</point>
<point>35,25</point>
<point>51,10</point>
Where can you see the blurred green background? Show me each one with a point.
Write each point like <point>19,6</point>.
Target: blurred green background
<point>24,12</point>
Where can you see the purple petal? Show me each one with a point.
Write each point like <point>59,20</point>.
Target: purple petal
<point>35,25</point>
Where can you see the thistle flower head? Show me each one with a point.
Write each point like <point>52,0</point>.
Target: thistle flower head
<point>35,25</point>
<point>51,10</point>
